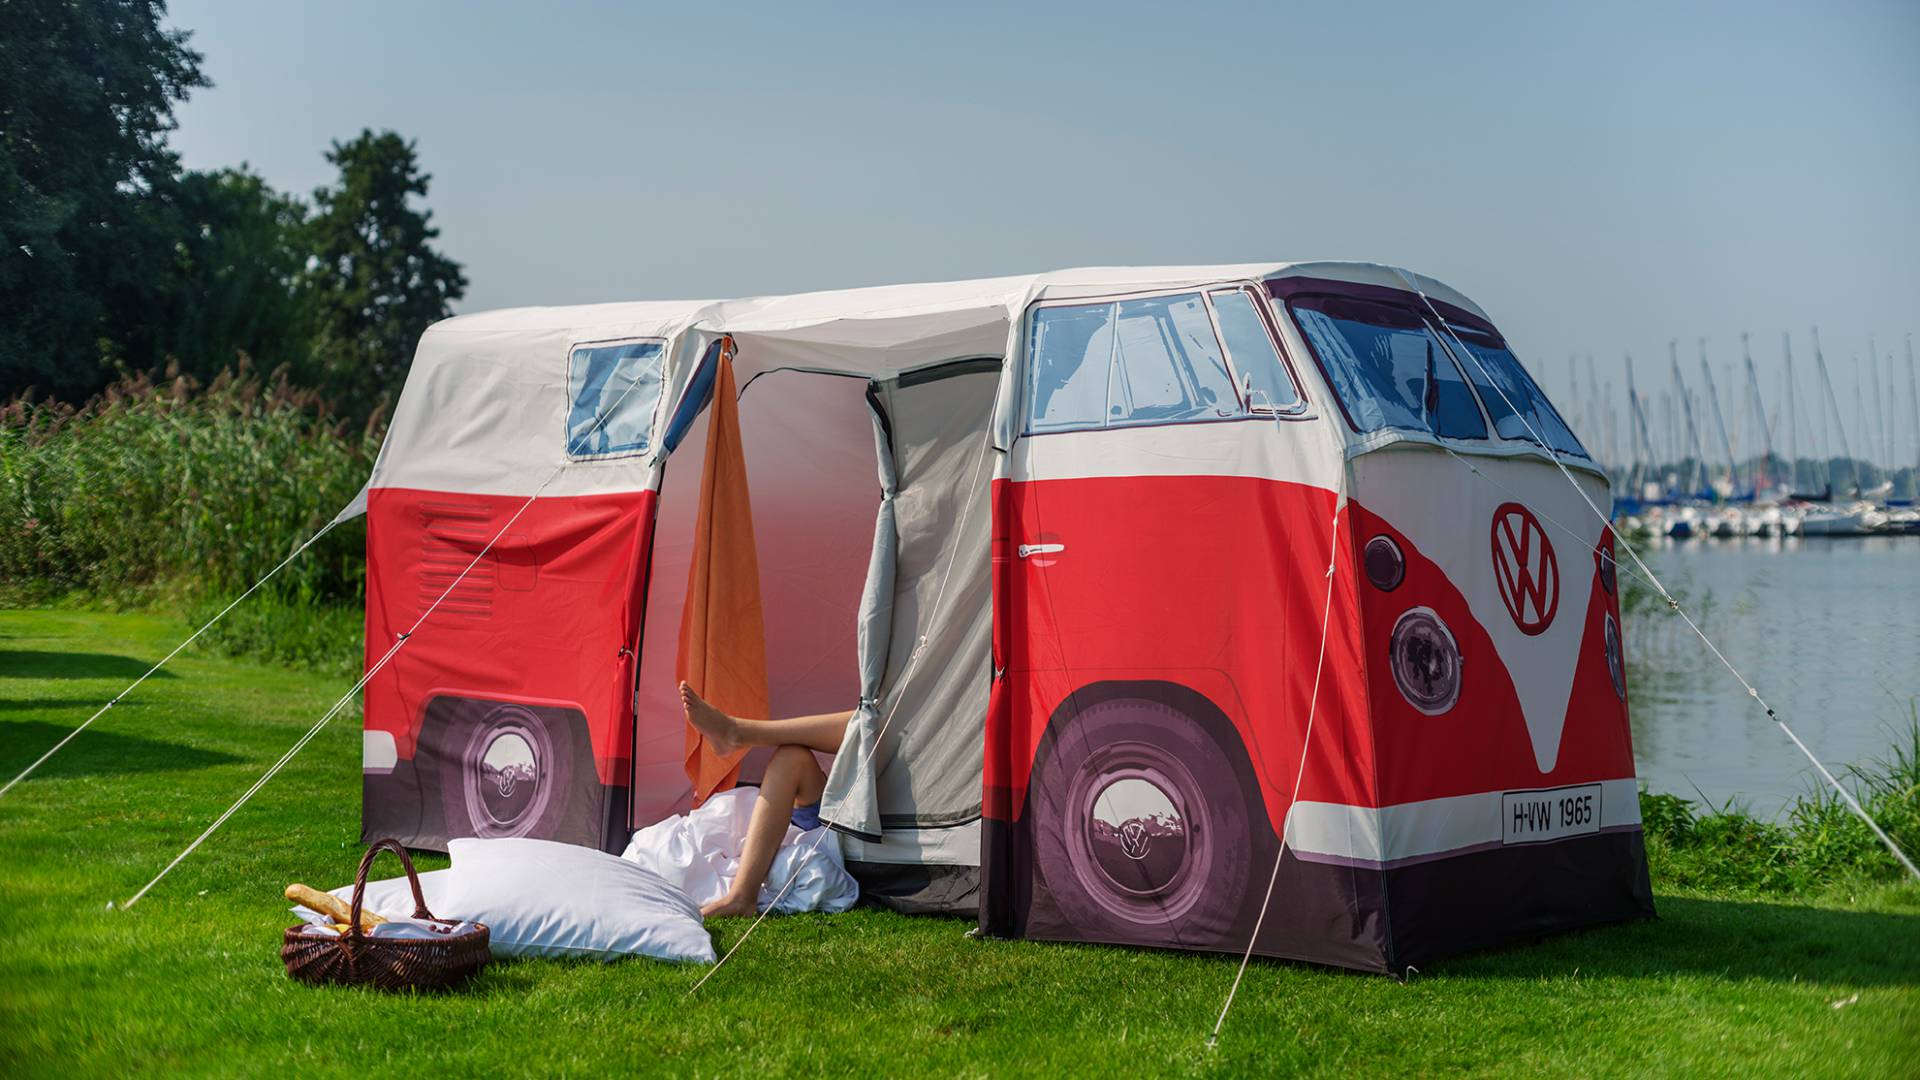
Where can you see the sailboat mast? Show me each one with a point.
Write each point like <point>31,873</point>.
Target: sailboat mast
<point>1719,419</point>
<point>1637,420</point>
<point>1762,472</point>
<point>1839,428</point>
<point>1697,472</point>
<point>1793,415</point>
<point>1913,402</point>
<point>1879,420</point>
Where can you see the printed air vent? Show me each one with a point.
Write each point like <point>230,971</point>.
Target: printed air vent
<point>451,535</point>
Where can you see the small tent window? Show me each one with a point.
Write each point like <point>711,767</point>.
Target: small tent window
<point>1269,386</point>
<point>613,391</point>
<point>1388,368</point>
<point>1152,360</point>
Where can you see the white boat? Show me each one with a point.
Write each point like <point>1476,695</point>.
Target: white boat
<point>1857,520</point>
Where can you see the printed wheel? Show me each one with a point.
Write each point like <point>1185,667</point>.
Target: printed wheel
<point>505,772</point>
<point>1143,826</point>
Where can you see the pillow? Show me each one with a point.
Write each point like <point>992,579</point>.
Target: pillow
<point>540,898</point>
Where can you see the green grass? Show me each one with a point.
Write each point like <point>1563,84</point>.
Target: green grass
<point>1729,981</point>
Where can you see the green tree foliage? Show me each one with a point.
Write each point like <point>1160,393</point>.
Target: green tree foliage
<point>88,188</point>
<point>234,285</point>
<point>374,281</point>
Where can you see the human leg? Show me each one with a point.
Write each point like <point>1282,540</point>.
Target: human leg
<point>822,732</point>
<point>793,779</point>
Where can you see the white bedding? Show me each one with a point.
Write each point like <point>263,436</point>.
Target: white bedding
<point>700,853</point>
<point>554,899</point>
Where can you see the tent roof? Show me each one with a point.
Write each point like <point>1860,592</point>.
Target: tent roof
<point>874,330</point>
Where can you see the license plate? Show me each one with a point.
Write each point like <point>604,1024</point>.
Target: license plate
<point>1530,817</point>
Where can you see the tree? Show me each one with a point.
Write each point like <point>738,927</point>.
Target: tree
<point>88,215</point>
<point>233,289</point>
<point>373,281</point>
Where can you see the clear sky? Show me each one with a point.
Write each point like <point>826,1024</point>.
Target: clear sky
<point>1600,177</point>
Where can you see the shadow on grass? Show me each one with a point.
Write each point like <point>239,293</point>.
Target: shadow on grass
<point>96,752</point>
<point>83,705</point>
<point>41,664</point>
<point>1775,941</point>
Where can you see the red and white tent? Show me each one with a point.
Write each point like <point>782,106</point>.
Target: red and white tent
<point>1131,574</point>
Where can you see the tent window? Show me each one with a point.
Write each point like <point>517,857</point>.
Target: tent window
<point>1152,360</point>
<point>1497,365</point>
<point>1269,385</point>
<point>1389,369</point>
<point>612,391</point>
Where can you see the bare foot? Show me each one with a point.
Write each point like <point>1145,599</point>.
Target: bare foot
<point>728,905</point>
<point>717,726</point>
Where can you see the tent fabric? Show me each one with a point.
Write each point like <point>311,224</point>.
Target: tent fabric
<point>933,532</point>
<point>851,802</point>
<point>723,632</point>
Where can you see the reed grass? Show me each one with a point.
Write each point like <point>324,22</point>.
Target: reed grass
<point>176,496</point>
<point>1816,845</point>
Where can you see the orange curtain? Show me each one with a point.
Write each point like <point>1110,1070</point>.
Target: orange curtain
<point>723,652</point>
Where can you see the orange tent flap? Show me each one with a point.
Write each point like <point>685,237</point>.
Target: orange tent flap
<point>723,652</point>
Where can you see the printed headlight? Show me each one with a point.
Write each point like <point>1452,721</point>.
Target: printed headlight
<point>1386,567</point>
<point>1426,662</point>
<point>1616,666</point>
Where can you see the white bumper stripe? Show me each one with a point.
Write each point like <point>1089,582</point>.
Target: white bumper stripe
<point>1416,831</point>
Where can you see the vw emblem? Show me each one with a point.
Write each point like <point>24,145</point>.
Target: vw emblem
<point>1135,840</point>
<point>505,783</point>
<point>1524,568</point>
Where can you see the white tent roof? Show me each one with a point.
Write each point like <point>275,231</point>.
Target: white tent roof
<point>485,400</point>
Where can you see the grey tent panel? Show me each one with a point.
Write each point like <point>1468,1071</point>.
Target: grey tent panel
<point>926,771</point>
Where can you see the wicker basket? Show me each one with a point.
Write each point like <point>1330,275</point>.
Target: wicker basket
<point>356,959</point>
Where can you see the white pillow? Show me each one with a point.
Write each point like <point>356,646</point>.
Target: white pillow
<point>540,898</point>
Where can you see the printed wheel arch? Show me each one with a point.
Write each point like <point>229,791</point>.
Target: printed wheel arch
<point>1147,818</point>
<point>505,769</point>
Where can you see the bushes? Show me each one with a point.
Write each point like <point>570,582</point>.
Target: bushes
<point>1819,843</point>
<point>184,495</point>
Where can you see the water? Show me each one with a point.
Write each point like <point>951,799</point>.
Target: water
<point>1828,630</point>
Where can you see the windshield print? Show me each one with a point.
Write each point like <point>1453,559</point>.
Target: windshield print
<point>1388,368</point>
<point>1490,364</point>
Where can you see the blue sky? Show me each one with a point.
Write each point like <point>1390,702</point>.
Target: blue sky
<point>1602,178</point>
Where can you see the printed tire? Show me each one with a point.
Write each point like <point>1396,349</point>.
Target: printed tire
<point>505,769</point>
<point>1144,826</point>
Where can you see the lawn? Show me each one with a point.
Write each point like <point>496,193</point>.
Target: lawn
<point>190,979</point>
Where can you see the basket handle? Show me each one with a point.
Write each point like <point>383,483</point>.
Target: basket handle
<point>360,883</point>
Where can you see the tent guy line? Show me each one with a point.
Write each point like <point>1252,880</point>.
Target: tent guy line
<point>345,699</point>
<point>117,698</point>
<point>1306,742</point>
<point>391,652</point>
<point>906,676</point>
<point>1653,579</point>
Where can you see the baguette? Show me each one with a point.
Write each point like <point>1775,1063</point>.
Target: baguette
<point>330,905</point>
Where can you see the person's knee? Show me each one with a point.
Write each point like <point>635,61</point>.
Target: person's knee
<point>791,756</point>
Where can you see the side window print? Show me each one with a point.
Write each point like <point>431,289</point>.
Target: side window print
<point>612,392</point>
<point>1151,360</point>
<point>1269,386</point>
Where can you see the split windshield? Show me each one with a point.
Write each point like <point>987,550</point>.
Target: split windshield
<point>1392,370</point>
<point>1389,369</point>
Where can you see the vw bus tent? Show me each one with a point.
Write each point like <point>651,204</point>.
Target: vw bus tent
<point>1131,573</point>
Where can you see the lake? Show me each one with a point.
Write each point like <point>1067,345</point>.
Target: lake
<point>1828,630</point>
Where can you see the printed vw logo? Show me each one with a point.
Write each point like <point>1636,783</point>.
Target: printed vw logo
<point>1135,840</point>
<point>1524,568</point>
